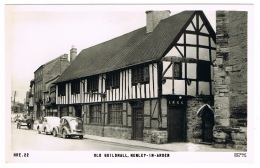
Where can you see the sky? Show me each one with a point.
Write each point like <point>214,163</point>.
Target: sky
<point>36,34</point>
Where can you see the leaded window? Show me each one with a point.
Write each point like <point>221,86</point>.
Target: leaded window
<point>92,83</point>
<point>95,114</point>
<point>75,87</point>
<point>61,89</point>
<point>115,116</point>
<point>140,74</point>
<point>112,79</point>
<point>177,69</point>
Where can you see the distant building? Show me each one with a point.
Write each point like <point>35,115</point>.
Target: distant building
<point>17,107</point>
<point>154,84</point>
<point>44,76</point>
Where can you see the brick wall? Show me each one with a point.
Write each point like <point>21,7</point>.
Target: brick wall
<point>230,76</point>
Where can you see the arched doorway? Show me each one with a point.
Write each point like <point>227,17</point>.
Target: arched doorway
<point>207,123</point>
<point>207,118</point>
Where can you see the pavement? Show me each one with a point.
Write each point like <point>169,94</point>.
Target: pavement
<point>174,146</point>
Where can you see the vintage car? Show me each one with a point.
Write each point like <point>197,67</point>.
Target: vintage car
<point>24,120</point>
<point>47,124</point>
<point>69,127</point>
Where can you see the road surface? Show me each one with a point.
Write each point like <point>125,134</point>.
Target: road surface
<point>30,140</point>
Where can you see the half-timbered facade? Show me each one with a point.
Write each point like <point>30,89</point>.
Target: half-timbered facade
<point>153,84</point>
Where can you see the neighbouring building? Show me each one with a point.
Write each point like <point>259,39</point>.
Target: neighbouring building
<point>44,76</point>
<point>154,84</point>
<point>231,80</point>
<point>29,101</point>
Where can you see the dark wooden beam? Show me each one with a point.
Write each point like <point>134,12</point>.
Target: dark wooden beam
<point>179,59</point>
<point>166,69</point>
<point>194,45</point>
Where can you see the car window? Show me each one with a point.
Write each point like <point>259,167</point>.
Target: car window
<point>76,123</point>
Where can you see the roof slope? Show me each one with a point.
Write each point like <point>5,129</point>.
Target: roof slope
<point>129,49</point>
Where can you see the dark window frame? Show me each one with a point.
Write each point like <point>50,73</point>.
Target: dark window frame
<point>95,114</point>
<point>113,79</point>
<point>62,89</point>
<point>204,71</point>
<point>177,70</point>
<point>75,87</point>
<point>92,83</point>
<point>115,114</point>
<point>140,74</point>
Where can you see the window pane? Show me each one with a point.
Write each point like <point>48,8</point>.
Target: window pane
<point>115,114</point>
<point>95,114</point>
<point>203,71</point>
<point>177,70</point>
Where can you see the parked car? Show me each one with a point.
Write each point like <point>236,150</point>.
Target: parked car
<point>35,124</point>
<point>24,121</point>
<point>69,127</point>
<point>47,125</point>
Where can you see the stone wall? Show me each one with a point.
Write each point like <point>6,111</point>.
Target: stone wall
<point>155,136</point>
<point>109,131</point>
<point>230,76</point>
<point>93,130</point>
<point>194,122</point>
<point>118,132</point>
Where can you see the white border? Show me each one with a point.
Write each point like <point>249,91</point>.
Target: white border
<point>253,47</point>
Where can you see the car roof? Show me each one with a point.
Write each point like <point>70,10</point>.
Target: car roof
<point>69,117</point>
<point>51,117</point>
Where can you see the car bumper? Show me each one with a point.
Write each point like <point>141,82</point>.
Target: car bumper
<point>75,134</point>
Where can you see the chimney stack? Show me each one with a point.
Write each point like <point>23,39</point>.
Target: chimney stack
<point>73,53</point>
<point>154,17</point>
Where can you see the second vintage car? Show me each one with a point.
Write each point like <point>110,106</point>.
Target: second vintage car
<point>47,124</point>
<point>69,127</point>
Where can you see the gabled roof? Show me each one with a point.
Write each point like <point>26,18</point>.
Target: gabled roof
<point>130,49</point>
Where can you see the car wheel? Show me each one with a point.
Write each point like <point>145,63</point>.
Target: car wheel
<point>54,133</point>
<point>29,126</point>
<point>64,134</point>
<point>45,132</point>
<point>81,137</point>
<point>38,129</point>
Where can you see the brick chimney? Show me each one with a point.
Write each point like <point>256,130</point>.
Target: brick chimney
<point>154,17</point>
<point>73,53</point>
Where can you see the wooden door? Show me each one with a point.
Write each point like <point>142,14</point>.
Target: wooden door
<point>138,123</point>
<point>176,124</point>
<point>207,125</point>
<point>78,110</point>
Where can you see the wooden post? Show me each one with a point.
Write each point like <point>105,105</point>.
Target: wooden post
<point>172,77</point>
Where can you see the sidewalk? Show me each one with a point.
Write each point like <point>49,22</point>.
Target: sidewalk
<point>174,147</point>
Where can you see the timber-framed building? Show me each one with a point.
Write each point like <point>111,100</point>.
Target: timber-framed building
<point>153,84</point>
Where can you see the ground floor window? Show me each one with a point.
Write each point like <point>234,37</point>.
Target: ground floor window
<point>115,114</point>
<point>95,114</point>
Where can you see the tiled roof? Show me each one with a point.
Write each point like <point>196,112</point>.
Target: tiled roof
<point>129,49</point>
